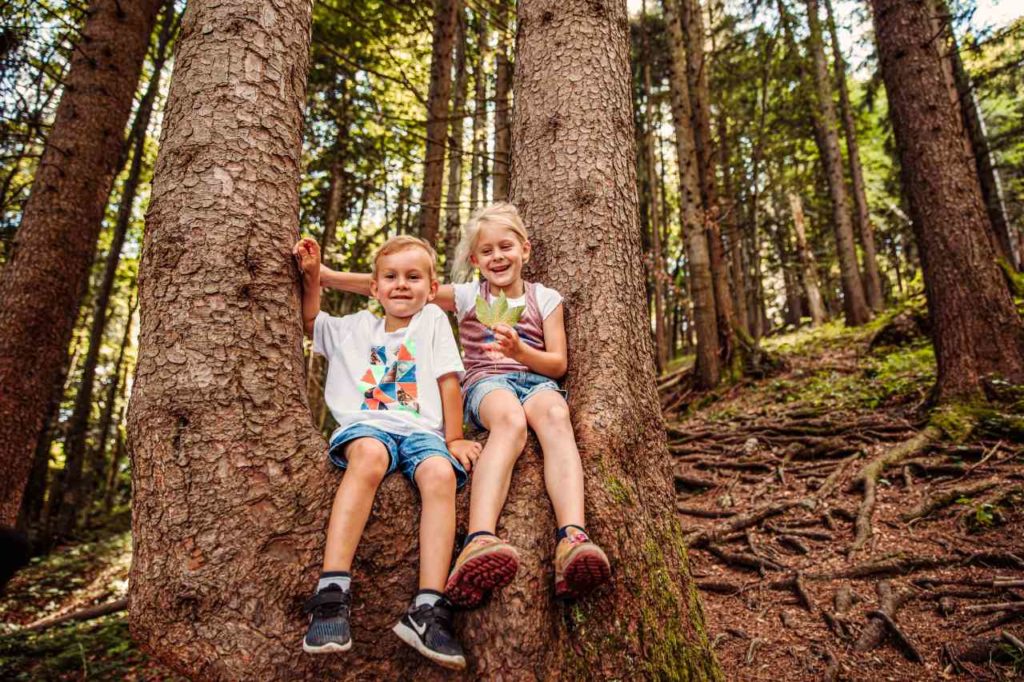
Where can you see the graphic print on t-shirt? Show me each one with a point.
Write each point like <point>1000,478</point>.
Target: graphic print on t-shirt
<point>391,385</point>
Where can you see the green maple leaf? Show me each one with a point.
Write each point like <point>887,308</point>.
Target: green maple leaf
<point>493,314</point>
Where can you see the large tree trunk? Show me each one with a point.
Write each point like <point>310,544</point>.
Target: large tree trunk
<point>708,365</point>
<point>872,278</point>
<point>502,105</point>
<point>478,166</point>
<point>66,496</point>
<point>453,212</point>
<point>445,17</point>
<point>809,268</point>
<point>42,284</point>
<point>827,136</point>
<point>574,178</point>
<point>978,331</point>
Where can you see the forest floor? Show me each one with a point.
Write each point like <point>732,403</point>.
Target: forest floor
<point>770,475</point>
<point>766,471</point>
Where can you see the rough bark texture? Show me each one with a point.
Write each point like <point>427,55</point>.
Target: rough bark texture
<point>657,261</point>
<point>502,105</point>
<point>453,211</point>
<point>977,329</point>
<point>809,269</point>
<point>67,497</point>
<point>708,364</point>
<point>733,233</point>
<point>827,136</point>
<point>872,278</point>
<point>445,18</point>
<point>42,284</point>
<point>574,178</point>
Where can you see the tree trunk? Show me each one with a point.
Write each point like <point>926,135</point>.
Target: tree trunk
<point>66,495</point>
<point>445,17</point>
<point>872,278</point>
<point>453,212</point>
<point>574,178</point>
<point>502,105</point>
<point>478,167</point>
<point>655,213</point>
<point>702,292</point>
<point>731,222</point>
<point>809,273</point>
<point>974,123</point>
<point>827,136</point>
<point>44,280</point>
<point>794,306</point>
<point>977,330</point>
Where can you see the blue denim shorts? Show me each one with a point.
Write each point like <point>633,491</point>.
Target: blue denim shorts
<point>523,385</point>
<point>404,452</point>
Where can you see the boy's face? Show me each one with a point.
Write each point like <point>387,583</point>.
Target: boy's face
<point>403,284</point>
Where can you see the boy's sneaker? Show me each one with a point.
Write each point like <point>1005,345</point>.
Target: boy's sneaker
<point>487,563</point>
<point>328,623</point>
<point>428,630</point>
<point>580,566</point>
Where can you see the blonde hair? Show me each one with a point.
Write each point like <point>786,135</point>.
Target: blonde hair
<point>404,242</point>
<point>501,213</point>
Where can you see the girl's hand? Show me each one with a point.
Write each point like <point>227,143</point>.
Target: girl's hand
<point>507,341</point>
<point>307,254</point>
<point>466,451</point>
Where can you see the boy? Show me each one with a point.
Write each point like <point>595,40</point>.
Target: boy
<point>393,387</point>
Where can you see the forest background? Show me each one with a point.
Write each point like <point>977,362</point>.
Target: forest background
<point>763,131</point>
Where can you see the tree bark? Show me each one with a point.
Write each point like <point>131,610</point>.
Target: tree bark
<point>809,273</point>
<point>445,17</point>
<point>502,105</point>
<point>827,136</point>
<point>733,233</point>
<point>872,278</point>
<point>658,274</point>
<point>453,212</point>
<point>44,280</point>
<point>708,364</point>
<point>478,166</point>
<point>66,494</point>
<point>977,330</point>
<point>574,178</point>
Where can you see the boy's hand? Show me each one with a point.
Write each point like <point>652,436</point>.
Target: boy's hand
<point>307,254</point>
<point>507,341</point>
<point>466,451</point>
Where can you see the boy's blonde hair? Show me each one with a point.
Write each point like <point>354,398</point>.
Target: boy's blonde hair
<point>403,242</point>
<point>500,213</point>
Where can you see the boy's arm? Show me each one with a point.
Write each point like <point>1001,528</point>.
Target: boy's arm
<point>552,361</point>
<point>307,253</point>
<point>466,451</point>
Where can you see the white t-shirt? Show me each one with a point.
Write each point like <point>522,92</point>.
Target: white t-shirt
<point>466,293</point>
<point>386,380</point>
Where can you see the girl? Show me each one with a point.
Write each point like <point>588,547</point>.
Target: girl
<point>509,386</point>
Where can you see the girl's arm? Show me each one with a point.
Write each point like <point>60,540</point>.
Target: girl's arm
<point>552,361</point>
<point>359,283</point>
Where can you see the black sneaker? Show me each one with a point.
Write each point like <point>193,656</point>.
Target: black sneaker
<point>428,630</point>
<point>328,622</point>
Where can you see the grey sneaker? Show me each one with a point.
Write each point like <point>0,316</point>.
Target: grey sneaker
<point>428,630</point>
<point>328,629</point>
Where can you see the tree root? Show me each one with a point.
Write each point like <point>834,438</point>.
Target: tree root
<point>87,613</point>
<point>740,522</point>
<point>903,565</point>
<point>882,621</point>
<point>934,503</point>
<point>981,650</point>
<point>743,559</point>
<point>868,479</point>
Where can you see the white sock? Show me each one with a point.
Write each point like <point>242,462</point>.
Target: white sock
<point>428,597</point>
<point>339,578</point>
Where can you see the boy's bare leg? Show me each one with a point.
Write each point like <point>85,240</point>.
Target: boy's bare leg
<point>548,415</point>
<point>367,465</point>
<point>503,416</point>
<point>435,479</point>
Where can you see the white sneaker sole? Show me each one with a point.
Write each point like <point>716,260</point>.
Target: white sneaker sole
<point>329,648</point>
<point>407,635</point>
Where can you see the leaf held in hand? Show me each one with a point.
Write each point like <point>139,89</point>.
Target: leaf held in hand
<point>498,312</point>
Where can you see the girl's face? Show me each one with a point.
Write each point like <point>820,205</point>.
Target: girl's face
<point>500,255</point>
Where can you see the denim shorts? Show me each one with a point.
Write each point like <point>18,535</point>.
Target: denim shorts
<point>404,452</point>
<point>523,385</point>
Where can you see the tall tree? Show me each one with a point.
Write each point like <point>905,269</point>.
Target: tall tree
<point>502,105</point>
<point>702,292</point>
<point>574,178</point>
<point>453,212</point>
<point>445,18</point>
<point>827,136</point>
<point>872,278</point>
<point>977,330</point>
<point>42,284</point>
<point>478,166</point>
<point>65,501</point>
<point>809,268</point>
